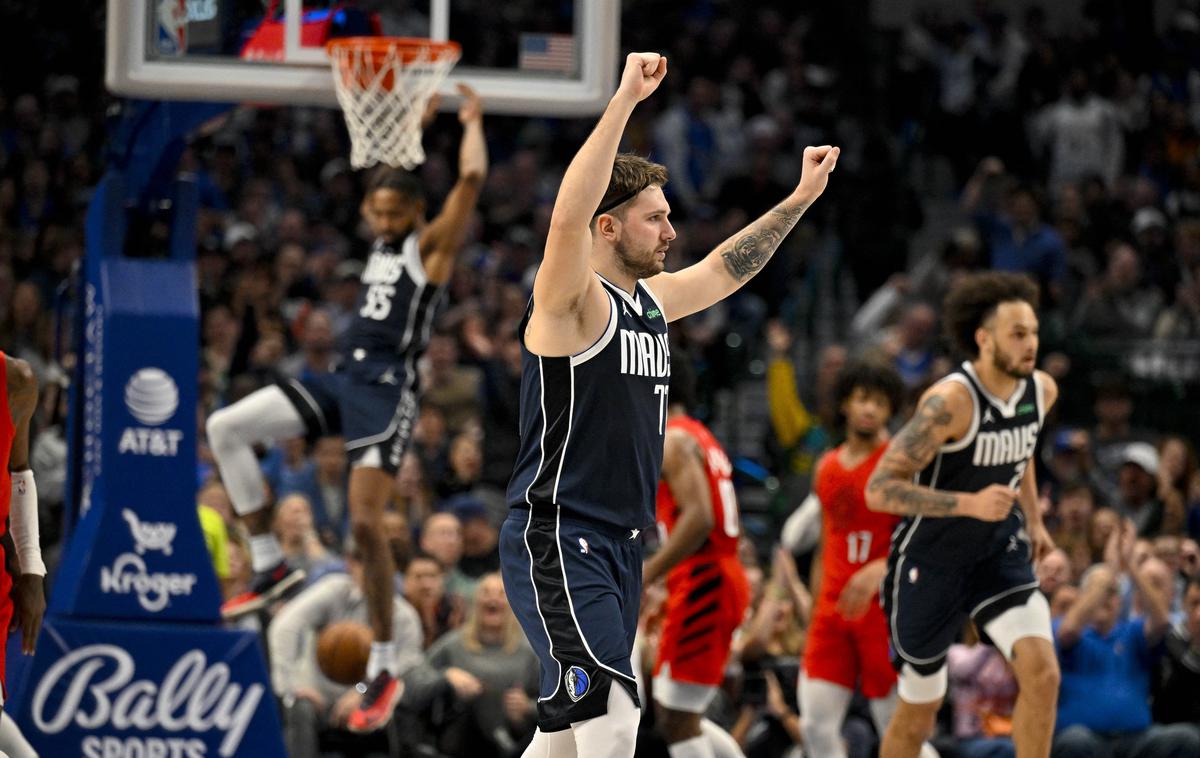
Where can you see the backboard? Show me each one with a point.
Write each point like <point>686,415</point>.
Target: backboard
<point>528,57</point>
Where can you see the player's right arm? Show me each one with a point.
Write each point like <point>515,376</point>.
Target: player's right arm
<point>943,414</point>
<point>29,598</point>
<point>564,288</point>
<point>683,471</point>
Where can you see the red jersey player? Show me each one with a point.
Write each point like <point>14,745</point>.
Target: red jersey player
<point>707,592</point>
<point>18,400</point>
<point>848,640</point>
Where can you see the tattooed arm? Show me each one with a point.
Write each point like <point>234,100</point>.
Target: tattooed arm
<point>721,272</point>
<point>944,414</point>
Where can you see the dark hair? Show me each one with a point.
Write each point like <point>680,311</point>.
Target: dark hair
<point>631,174</point>
<point>974,300</point>
<point>683,379</point>
<point>1077,485</point>
<point>387,177</point>
<point>421,555</point>
<point>872,376</point>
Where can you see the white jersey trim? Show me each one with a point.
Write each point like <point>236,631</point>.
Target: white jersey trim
<point>653,297</point>
<point>634,302</point>
<point>1040,394</point>
<point>603,340</point>
<point>411,250</point>
<point>538,605</point>
<point>1008,408</point>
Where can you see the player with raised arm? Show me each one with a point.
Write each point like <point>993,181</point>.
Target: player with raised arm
<point>955,472</point>
<point>707,591</point>
<point>594,383</point>
<point>847,643</point>
<point>371,399</point>
<point>23,601</point>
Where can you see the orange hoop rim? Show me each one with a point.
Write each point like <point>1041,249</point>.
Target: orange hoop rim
<point>408,48</point>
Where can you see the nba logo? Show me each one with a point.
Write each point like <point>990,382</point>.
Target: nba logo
<point>172,27</point>
<point>577,683</point>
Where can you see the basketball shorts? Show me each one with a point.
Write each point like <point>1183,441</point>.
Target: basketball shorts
<point>706,603</point>
<point>575,587</point>
<point>367,402</point>
<point>927,604</point>
<point>852,654</point>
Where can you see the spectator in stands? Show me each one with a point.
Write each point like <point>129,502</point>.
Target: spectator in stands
<point>1121,305</point>
<point>425,590</point>
<point>317,353</point>
<point>446,385</point>
<point>297,534</point>
<point>1137,488</point>
<point>1080,134</point>
<point>465,461</point>
<point>1178,677</point>
<point>1076,504</point>
<point>1106,668</point>
<point>983,691</point>
<point>312,702</point>
<point>480,539</point>
<point>1176,469</point>
<point>1053,571</point>
<point>1114,430</point>
<point>323,481</point>
<point>442,538</point>
<point>488,677</point>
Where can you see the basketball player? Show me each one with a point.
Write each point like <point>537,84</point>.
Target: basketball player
<point>371,399</point>
<point>847,642</point>
<point>594,381</point>
<point>22,602</point>
<point>707,592</point>
<point>954,472</point>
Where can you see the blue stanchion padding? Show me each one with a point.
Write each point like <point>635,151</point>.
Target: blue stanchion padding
<point>100,689</point>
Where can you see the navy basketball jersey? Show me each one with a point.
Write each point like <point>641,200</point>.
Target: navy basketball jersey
<point>395,308</point>
<point>996,449</point>
<point>592,424</point>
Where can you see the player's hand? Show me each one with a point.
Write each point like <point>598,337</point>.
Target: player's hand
<point>819,163</point>
<point>779,337</point>
<point>992,503</point>
<point>29,601</point>
<point>465,684</point>
<point>311,695</point>
<point>346,704</point>
<point>855,600</point>
<point>516,706</point>
<point>471,108</point>
<point>642,75</point>
<point>1043,543</point>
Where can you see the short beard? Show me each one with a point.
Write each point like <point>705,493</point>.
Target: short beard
<point>630,264</point>
<point>1005,365</point>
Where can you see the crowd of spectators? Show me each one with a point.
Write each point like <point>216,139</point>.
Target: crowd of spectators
<point>1064,144</point>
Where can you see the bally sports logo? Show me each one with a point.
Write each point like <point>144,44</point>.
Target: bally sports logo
<point>152,398</point>
<point>129,574</point>
<point>99,693</point>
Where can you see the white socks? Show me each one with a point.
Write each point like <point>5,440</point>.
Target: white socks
<point>383,658</point>
<point>265,552</point>
<point>696,747</point>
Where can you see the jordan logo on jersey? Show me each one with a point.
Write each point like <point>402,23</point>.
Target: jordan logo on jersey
<point>645,354</point>
<point>1005,446</point>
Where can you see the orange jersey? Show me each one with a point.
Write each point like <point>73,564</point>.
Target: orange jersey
<point>723,539</point>
<point>852,535</point>
<point>7,432</point>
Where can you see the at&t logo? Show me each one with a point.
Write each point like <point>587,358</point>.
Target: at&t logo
<point>152,398</point>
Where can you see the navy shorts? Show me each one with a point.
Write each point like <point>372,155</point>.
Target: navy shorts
<point>575,586</point>
<point>369,403</point>
<point>927,603</point>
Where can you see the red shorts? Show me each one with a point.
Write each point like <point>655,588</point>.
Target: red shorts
<point>850,653</point>
<point>706,603</point>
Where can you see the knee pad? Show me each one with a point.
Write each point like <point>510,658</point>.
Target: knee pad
<point>1030,619</point>
<point>917,688</point>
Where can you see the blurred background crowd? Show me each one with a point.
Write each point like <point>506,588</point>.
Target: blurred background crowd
<point>1062,140</point>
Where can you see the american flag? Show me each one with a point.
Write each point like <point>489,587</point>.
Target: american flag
<point>547,52</point>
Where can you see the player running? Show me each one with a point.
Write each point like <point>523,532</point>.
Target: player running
<point>954,471</point>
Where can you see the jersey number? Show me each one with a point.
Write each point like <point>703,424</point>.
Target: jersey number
<point>729,507</point>
<point>379,302</point>
<point>858,546</point>
<point>661,389</point>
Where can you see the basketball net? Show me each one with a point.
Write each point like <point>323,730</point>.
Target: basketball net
<point>383,85</point>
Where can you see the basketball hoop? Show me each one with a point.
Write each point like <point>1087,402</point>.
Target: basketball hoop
<point>383,85</point>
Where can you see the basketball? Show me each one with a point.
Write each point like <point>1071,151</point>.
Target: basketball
<point>342,651</point>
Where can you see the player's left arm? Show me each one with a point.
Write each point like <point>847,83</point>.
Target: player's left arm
<point>1027,495</point>
<point>683,471</point>
<point>29,597</point>
<point>720,273</point>
<point>443,237</point>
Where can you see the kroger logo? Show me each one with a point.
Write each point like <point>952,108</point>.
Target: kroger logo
<point>151,396</point>
<point>130,575</point>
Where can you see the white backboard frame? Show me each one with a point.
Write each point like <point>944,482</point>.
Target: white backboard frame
<point>306,79</point>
